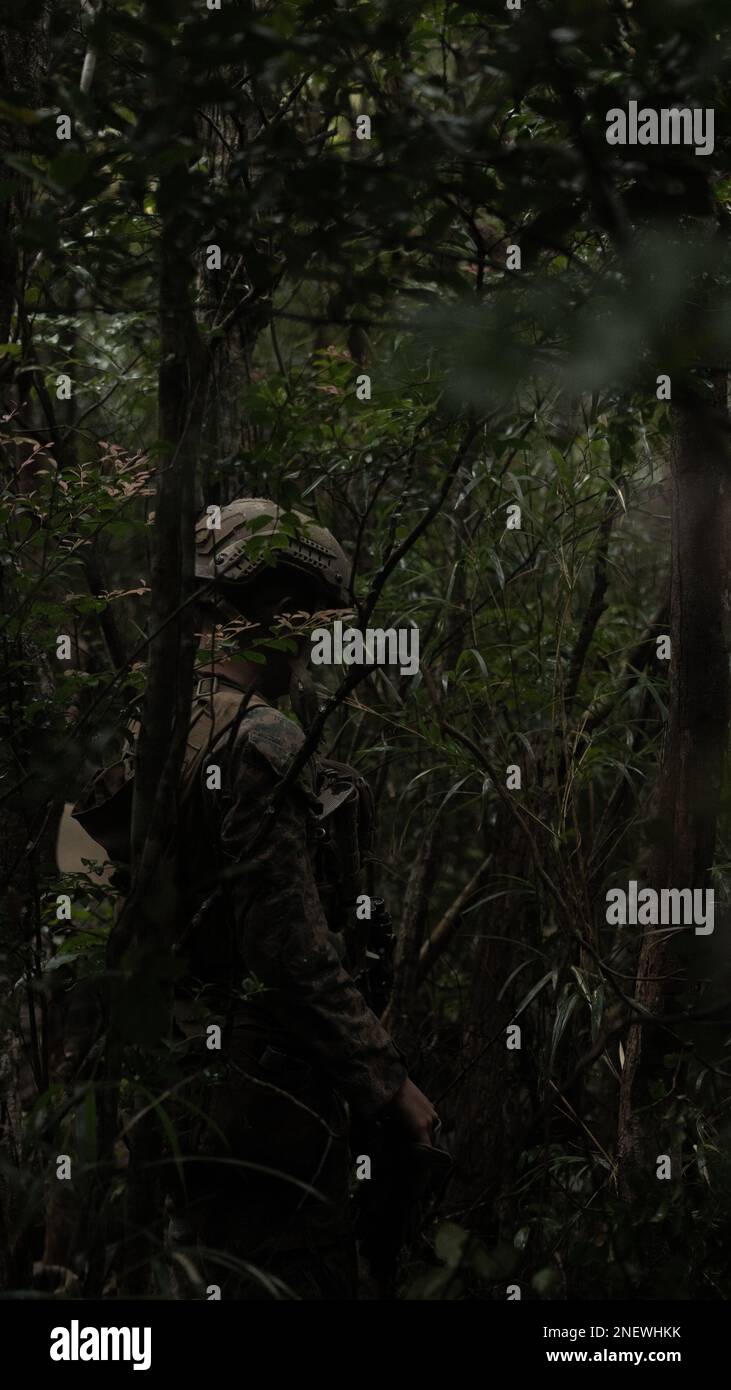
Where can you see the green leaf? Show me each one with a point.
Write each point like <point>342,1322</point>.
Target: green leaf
<point>531,995</point>
<point>450,1243</point>
<point>546,1281</point>
<point>566,1005</point>
<point>22,115</point>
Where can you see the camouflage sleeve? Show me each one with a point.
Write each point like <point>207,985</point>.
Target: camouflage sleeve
<point>284,940</point>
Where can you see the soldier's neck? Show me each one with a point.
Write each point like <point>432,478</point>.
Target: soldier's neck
<point>245,675</point>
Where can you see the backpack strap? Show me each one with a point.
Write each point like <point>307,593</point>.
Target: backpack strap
<point>215,710</point>
<point>104,809</point>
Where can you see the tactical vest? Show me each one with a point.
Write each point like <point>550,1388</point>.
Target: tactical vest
<point>339,801</point>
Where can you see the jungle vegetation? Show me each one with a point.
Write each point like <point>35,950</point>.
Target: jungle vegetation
<point>195,272</point>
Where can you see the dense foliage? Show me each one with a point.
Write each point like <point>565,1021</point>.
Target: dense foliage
<point>491,388</point>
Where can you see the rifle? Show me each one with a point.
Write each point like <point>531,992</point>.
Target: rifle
<point>376,977</point>
<point>407,1179</point>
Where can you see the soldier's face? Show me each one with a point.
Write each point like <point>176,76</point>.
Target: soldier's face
<point>280,611</point>
<point>288,607</point>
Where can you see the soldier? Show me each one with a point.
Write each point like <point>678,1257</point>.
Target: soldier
<point>267,957</point>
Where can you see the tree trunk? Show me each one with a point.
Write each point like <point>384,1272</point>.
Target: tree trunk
<point>484,1105</point>
<point>693,771</point>
<point>399,1016</point>
<point>28,824</point>
<point>140,944</point>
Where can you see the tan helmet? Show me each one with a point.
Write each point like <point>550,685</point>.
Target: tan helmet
<point>221,553</point>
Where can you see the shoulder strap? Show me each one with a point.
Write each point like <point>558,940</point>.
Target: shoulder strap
<point>213,713</point>
<point>104,809</point>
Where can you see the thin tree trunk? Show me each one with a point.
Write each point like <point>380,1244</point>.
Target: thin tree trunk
<point>693,771</point>
<point>399,1016</point>
<point>481,1105</point>
<point>28,824</point>
<point>139,947</point>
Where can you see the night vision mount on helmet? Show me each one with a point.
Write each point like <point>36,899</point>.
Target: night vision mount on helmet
<point>221,554</point>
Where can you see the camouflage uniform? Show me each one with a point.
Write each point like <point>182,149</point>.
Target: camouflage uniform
<point>264,1122</point>
<point>295,1050</point>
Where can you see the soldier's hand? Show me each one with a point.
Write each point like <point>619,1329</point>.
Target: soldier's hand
<point>414,1112</point>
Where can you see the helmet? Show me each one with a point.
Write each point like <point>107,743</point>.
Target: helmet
<point>221,554</point>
